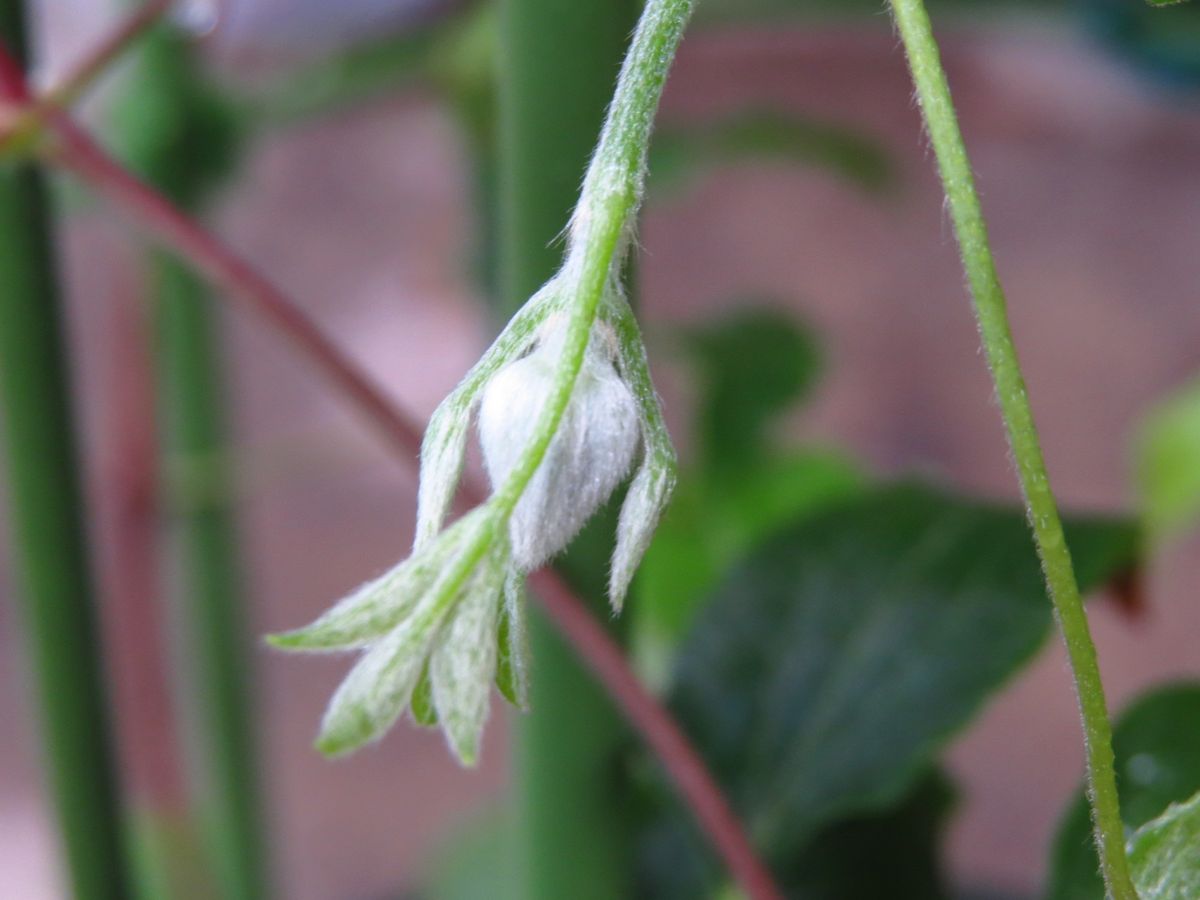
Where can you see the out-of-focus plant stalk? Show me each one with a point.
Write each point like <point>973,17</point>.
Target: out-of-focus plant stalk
<point>216,634</point>
<point>168,860</point>
<point>47,516</point>
<point>559,62</point>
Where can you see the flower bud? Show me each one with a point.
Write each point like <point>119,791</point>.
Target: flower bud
<point>591,452</point>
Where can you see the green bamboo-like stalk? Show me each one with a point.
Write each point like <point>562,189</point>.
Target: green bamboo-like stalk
<point>48,522</point>
<point>192,409</point>
<point>558,65</point>
<point>177,135</point>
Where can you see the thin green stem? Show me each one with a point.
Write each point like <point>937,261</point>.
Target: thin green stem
<point>991,313</point>
<point>50,550</point>
<point>612,191</point>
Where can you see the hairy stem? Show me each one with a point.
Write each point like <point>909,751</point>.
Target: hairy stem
<point>50,551</point>
<point>991,313</point>
<point>604,218</point>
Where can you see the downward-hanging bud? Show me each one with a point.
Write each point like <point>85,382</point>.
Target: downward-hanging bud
<point>591,452</point>
<point>565,408</point>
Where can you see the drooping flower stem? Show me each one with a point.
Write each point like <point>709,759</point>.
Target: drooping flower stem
<point>50,552</point>
<point>991,313</point>
<point>604,218</point>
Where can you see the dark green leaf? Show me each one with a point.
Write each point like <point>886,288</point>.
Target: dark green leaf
<point>836,661</point>
<point>900,844</point>
<point>709,527</point>
<point>1165,854</point>
<point>170,125</point>
<point>752,365</point>
<point>1157,747</point>
<point>680,154</point>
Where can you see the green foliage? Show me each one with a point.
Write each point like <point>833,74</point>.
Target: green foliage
<point>1157,746</point>
<point>353,75</point>
<point>1168,463</point>
<point>838,658</point>
<point>900,844</point>
<point>170,126</point>
<point>481,863</point>
<point>751,366</point>
<point>1165,854</point>
<point>682,153</point>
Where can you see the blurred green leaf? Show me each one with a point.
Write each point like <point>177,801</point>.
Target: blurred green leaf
<point>901,845</point>
<point>709,528</point>
<point>1157,747</point>
<point>481,862</point>
<point>751,365</point>
<point>1165,854</point>
<point>169,124</point>
<point>681,154</point>
<point>837,659</point>
<point>1168,463</point>
<point>454,49</point>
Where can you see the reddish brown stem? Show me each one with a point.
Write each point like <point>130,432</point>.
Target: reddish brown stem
<point>168,224</point>
<point>692,778</point>
<point>127,507</point>
<point>102,55</point>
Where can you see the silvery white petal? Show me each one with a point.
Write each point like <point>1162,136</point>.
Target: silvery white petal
<point>378,606</point>
<point>590,454</point>
<point>442,454</point>
<point>444,445</point>
<point>464,661</point>
<point>643,506</point>
<point>655,480</point>
<point>378,688</point>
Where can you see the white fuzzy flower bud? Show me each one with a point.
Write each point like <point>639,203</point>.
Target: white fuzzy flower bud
<point>591,452</point>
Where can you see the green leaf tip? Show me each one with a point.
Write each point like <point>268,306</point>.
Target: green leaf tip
<point>1165,854</point>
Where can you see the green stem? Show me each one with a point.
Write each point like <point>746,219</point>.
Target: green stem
<point>558,64</point>
<point>50,545</point>
<point>173,132</point>
<point>191,400</point>
<point>991,313</point>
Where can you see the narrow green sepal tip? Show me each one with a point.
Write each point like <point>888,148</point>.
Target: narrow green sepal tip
<point>334,746</point>
<point>287,640</point>
<point>467,756</point>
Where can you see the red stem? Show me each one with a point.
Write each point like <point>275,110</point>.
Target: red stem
<point>128,512</point>
<point>167,223</point>
<point>643,710</point>
<point>103,53</point>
